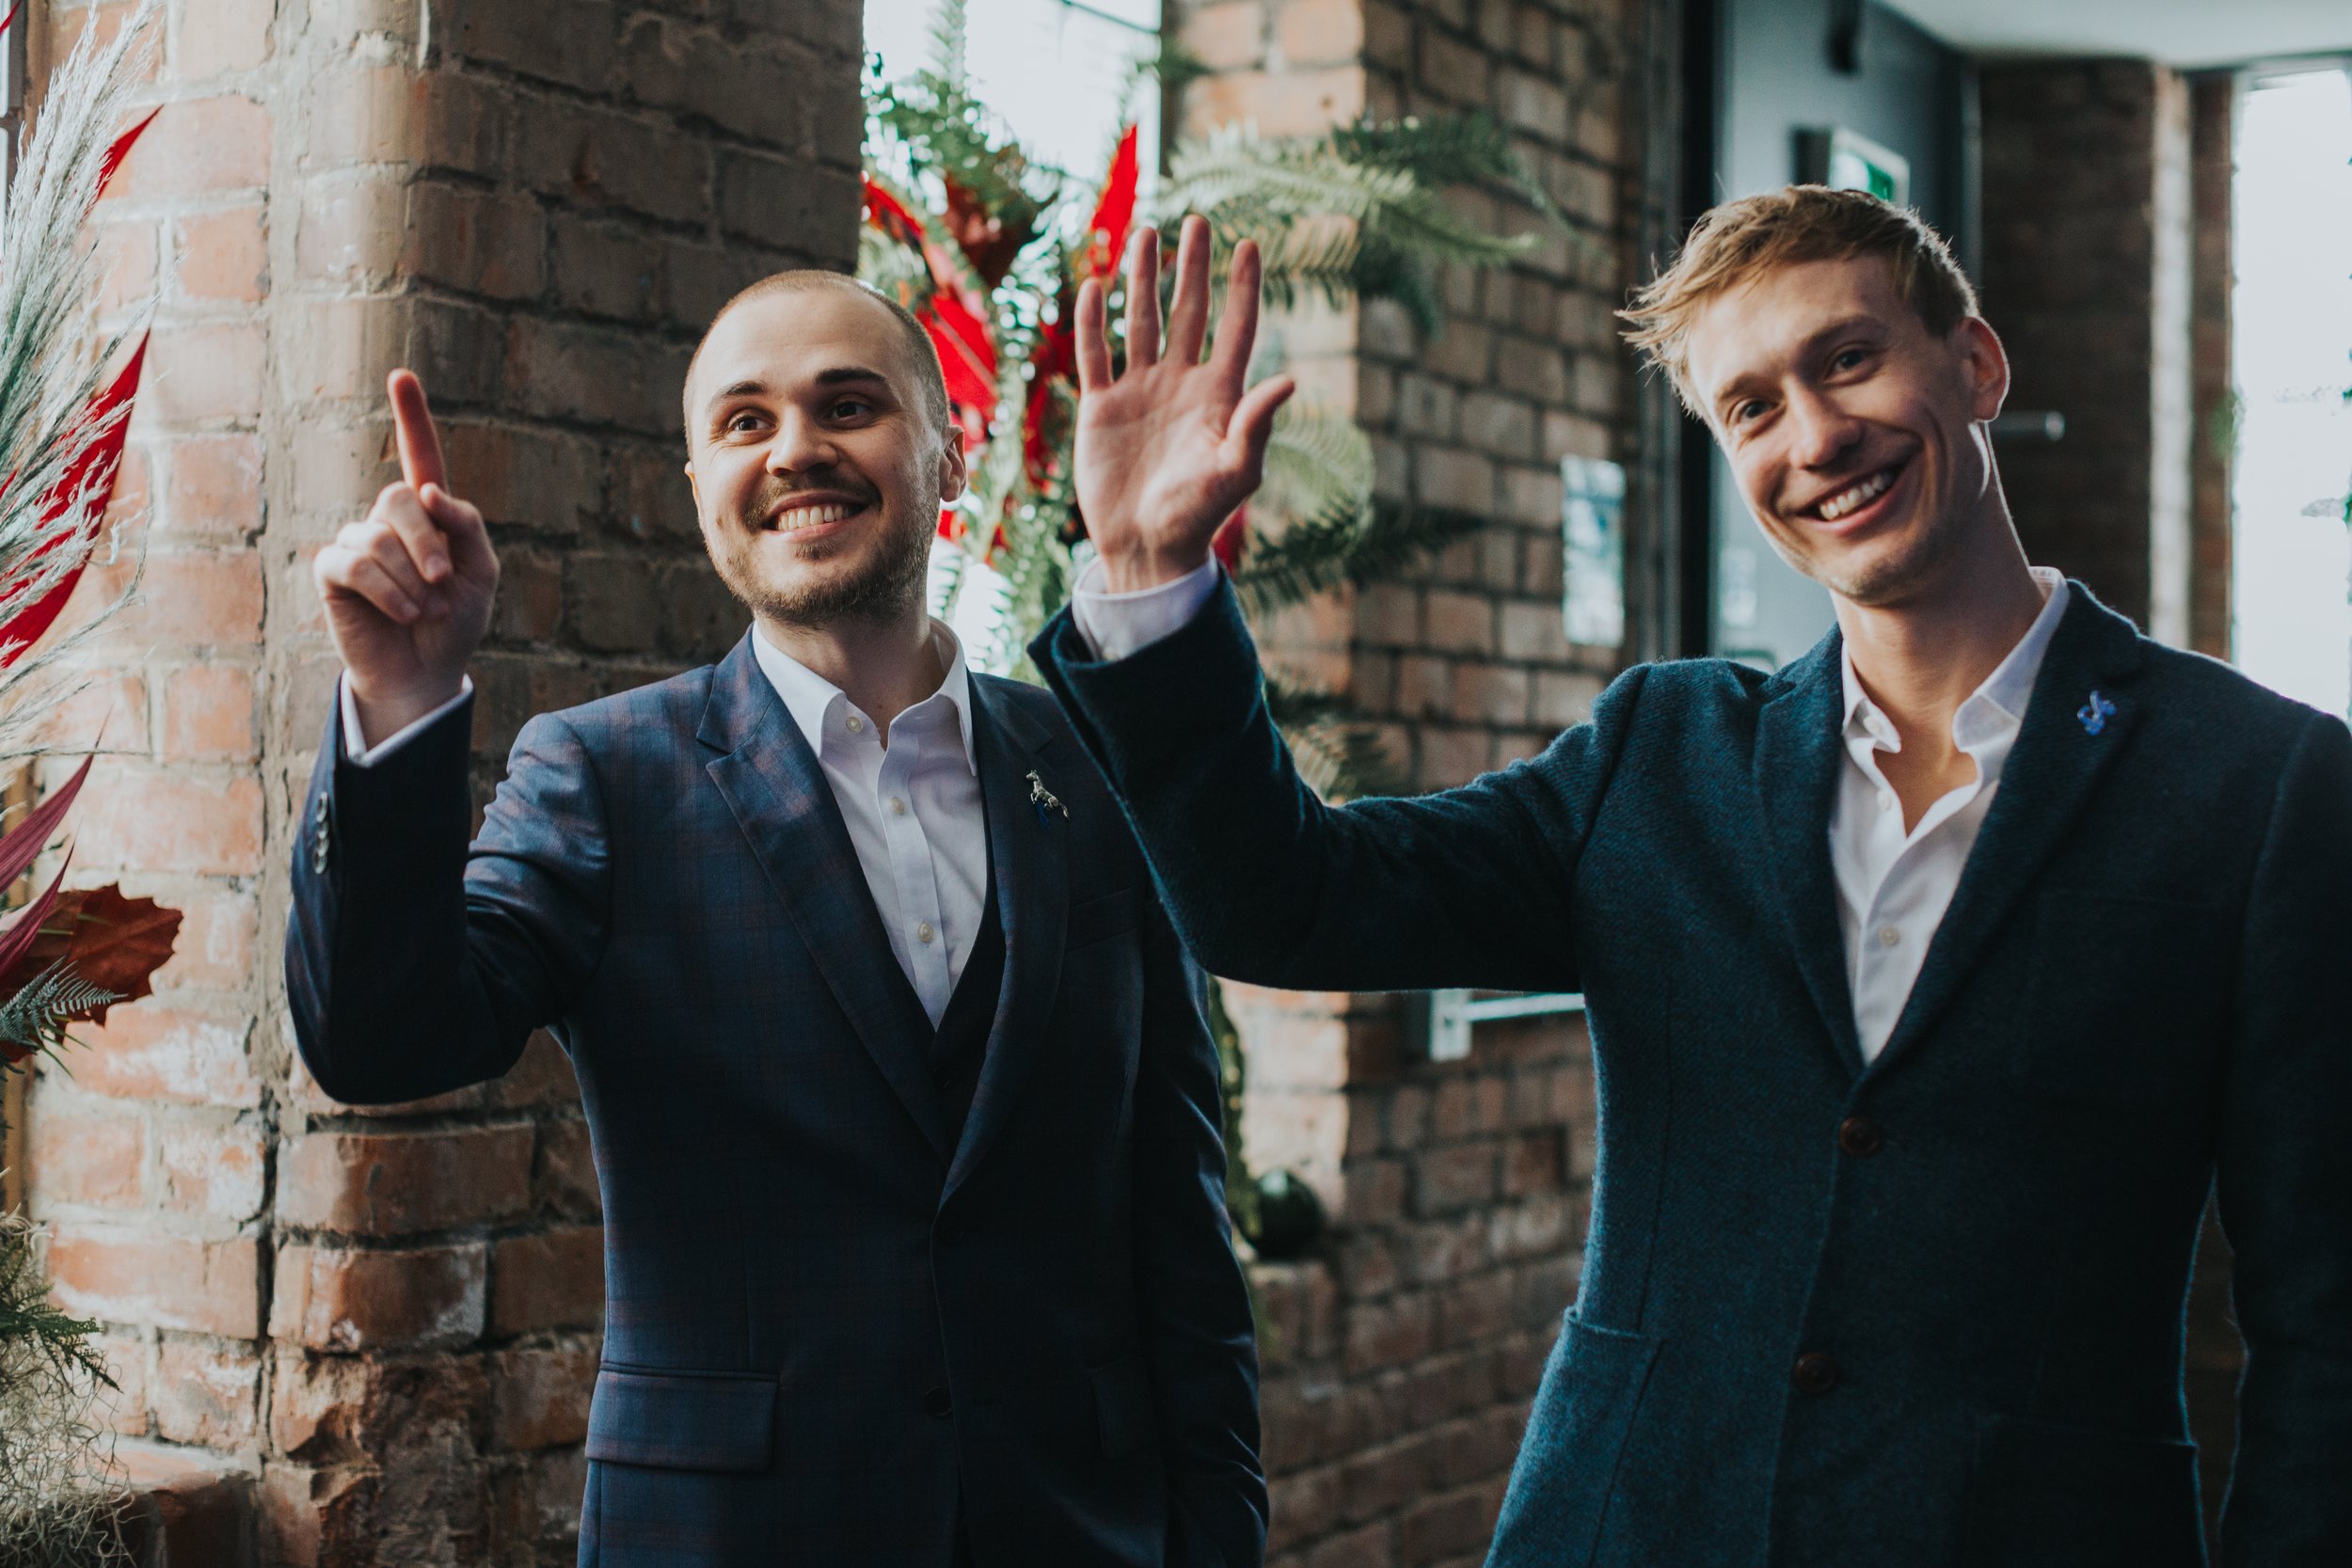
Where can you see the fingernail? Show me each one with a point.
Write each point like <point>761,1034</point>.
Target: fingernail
<point>436,566</point>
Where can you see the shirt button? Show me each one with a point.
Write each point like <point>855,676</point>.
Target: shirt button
<point>1887,801</point>
<point>923,931</point>
<point>897,807</point>
<point>1888,936</point>
<point>857,725</point>
<point>1814,1373</point>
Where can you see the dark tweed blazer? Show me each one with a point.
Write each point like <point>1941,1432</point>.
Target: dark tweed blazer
<point>1922,1313</point>
<point>831,1333</point>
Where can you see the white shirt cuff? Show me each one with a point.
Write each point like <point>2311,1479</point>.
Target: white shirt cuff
<point>1117,625</point>
<point>357,750</point>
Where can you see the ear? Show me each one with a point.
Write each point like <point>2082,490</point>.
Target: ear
<point>1985,363</point>
<point>952,470</point>
<point>695,483</point>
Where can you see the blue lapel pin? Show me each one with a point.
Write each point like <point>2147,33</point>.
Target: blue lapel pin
<point>2094,714</point>
<point>1043,798</point>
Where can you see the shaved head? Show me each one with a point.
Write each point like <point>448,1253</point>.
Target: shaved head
<point>922,357</point>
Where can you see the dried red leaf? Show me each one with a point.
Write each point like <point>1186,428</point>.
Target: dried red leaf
<point>95,468</point>
<point>26,841</point>
<point>117,945</point>
<point>121,149</point>
<point>1232,538</point>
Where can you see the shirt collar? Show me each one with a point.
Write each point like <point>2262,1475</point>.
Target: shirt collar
<point>1995,706</point>
<point>812,700</point>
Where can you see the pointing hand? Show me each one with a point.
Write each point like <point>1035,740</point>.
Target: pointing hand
<point>407,590</point>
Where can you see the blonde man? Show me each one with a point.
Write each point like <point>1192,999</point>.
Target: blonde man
<point>1932,979</point>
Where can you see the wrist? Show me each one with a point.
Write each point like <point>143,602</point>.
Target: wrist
<point>1133,571</point>
<point>388,711</point>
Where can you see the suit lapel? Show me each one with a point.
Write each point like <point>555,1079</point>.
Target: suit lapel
<point>1799,738</point>
<point>1029,856</point>
<point>2048,778</point>
<point>784,807</point>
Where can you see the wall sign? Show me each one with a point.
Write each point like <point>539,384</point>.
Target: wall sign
<point>1848,161</point>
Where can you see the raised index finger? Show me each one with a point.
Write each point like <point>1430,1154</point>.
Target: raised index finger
<point>419,444</point>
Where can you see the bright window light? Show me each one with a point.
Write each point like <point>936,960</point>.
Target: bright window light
<point>2292,333</point>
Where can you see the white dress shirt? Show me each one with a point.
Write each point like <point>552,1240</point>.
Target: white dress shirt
<point>913,806</point>
<point>1893,886</point>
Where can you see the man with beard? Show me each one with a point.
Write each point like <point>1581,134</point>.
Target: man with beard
<point>1932,980</point>
<point>905,1112</point>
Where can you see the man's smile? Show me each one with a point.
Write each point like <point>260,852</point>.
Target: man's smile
<point>1859,502</point>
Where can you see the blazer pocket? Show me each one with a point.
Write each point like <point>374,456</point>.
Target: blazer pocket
<point>2127,997</point>
<point>683,1420</point>
<point>2054,1496</point>
<point>1098,919</point>
<point>1575,1436</point>
<point>1125,1420</point>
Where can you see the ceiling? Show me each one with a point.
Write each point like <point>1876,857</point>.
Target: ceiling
<point>2184,33</point>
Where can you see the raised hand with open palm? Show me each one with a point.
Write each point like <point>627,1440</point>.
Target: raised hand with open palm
<point>1169,447</point>
<point>407,588</point>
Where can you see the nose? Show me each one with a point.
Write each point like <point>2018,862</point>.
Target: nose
<point>801,444</point>
<point>1823,432</point>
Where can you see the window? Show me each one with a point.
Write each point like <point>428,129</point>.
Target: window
<point>2291,329</point>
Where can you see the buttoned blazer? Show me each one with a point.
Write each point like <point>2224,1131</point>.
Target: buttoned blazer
<point>832,1332</point>
<point>1926,1311</point>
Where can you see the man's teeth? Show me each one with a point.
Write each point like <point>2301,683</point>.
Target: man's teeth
<point>808,516</point>
<point>1846,501</point>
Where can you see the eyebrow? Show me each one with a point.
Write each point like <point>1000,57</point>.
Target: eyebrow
<point>837,375</point>
<point>1805,350</point>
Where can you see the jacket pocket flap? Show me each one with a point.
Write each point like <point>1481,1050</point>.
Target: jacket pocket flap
<point>1108,916</point>
<point>724,1421</point>
<point>1122,1406</point>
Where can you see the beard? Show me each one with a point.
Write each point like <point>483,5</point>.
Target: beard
<point>891,578</point>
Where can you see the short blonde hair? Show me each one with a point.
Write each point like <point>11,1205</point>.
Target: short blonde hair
<point>1736,242</point>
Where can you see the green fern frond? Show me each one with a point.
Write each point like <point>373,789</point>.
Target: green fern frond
<point>35,1018</point>
<point>1344,543</point>
<point>1314,456</point>
<point>1336,752</point>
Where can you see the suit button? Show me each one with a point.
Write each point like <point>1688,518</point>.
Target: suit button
<point>1860,1137</point>
<point>938,1402</point>
<point>1815,1373</point>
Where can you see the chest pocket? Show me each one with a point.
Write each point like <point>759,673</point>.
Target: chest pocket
<point>2128,998</point>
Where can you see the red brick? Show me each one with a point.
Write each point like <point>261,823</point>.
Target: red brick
<point>126,258</point>
<point>129,1358</point>
<point>1389,1331</point>
<point>208,1394</point>
<point>484,241</point>
<point>599,157</point>
<point>1460,623</point>
<point>1534,1163</point>
<point>1471,1311</point>
<point>399,1183</point>
<point>605,269</point>
<point>564,1174</point>
<point>1435,1529</point>
<point>1490,694</point>
<point>561,370</point>
<point>147,1050</point>
<point>127,1276</point>
<point>187,1508</point>
<point>232,34</point>
<point>552,1280</point>
<point>1366,1547</point>
<point>204,374</point>
<point>85,1154</point>
<point>541,1078</point>
<point>539,1394</point>
<point>1226,35</point>
<point>221,255</point>
<point>171,821</point>
<point>195,146</point>
<point>109,714</point>
<point>211,1167</point>
<point>328,1298</point>
<point>212,488</point>
<point>1452,1178</point>
<point>1320,32</point>
<point>571,45</point>
<point>536,478</point>
<point>1289,104</point>
<point>219,930</point>
<point>208,714</point>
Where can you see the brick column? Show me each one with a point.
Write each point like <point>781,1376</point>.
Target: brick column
<point>2213,110</point>
<point>383,1324</point>
<point>2087,277</point>
<point>1400,1360</point>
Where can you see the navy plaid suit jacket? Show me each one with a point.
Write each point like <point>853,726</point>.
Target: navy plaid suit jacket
<point>832,1332</point>
<point>2144,979</point>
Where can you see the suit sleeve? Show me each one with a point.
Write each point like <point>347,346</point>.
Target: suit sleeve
<point>416,965</point>
<point>1269,884</point>
<point>1198,1330</point>
<point>2285,1178</point>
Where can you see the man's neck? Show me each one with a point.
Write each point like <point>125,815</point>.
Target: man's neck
<point>1921,658</point>
<point>883,667</point>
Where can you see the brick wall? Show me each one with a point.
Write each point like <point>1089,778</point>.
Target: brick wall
<point>1401,1358</point>
<point>2087,277</point>
<point>383,1325</point>
<point>2213,108</point>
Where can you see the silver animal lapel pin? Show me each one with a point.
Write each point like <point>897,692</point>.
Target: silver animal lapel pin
<point>1043,798</point>
<point>2094,714</point>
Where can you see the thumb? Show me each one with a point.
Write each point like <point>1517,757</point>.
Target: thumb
<point>1252,424</point>
<point>461,523</point>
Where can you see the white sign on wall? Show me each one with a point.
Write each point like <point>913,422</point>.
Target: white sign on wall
<point>1592,540</point>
